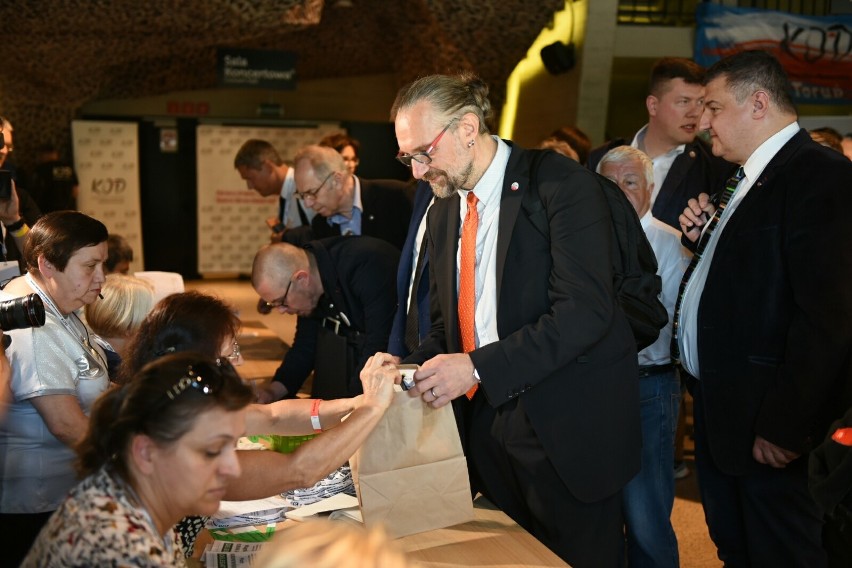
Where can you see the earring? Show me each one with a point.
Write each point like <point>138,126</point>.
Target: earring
<point>470,144</point>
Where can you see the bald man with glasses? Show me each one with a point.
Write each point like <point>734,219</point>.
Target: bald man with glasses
<point>347,204</point>
<point>341,289</point>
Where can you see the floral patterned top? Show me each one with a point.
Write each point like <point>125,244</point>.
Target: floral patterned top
<point>98,525</point>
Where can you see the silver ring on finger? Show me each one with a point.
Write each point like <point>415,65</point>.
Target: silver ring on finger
<point>432,390</point>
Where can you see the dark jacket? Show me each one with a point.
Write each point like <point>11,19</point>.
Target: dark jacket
<point>396,346</point>
<point>565,352</point>
<point>387,211</point>
<point>358,275</point>
<point>774,329</point>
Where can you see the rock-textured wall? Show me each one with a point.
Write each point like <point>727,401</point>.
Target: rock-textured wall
<point>59,54</point>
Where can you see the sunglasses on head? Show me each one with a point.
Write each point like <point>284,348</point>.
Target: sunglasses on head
<point>201,377</point>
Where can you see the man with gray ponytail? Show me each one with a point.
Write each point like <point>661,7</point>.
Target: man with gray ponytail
<point>527,339</point>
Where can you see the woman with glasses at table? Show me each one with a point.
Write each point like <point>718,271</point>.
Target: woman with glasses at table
<point>160,447</point>
<point>57,373</point>
<point>192,321</point>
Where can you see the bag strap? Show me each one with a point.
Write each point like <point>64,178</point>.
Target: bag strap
<point>531,202</point>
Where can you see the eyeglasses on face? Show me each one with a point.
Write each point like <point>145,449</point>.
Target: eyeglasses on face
<point>234,356</point>
<point>312,193</point>
<point>424,157</point>
<point>282,301</point>
<point>201,377</point>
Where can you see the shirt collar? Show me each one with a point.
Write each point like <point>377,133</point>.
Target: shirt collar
<point>639,144</point>
<point>488,188</point>
<point>356,194</point>
<point>288,188</point>
<point>758,160</point>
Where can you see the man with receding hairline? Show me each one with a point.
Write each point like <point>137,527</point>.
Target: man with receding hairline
<point>338,285</point>
<point>764,323</point>
<point>348,204</point>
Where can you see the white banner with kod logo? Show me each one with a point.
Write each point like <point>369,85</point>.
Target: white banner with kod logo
<point>106,157</point>
<point>231,218</point>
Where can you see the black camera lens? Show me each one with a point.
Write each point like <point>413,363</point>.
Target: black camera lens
<point>19,313</point>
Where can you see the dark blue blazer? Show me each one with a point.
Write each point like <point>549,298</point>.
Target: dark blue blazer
<point>396,346</point>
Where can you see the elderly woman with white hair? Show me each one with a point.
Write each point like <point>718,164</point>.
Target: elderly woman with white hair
<point>115,318</point>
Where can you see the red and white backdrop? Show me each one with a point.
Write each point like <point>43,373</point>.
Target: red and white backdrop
<point>232,218</point>
<point>816,51</point>
<point>106,158</point>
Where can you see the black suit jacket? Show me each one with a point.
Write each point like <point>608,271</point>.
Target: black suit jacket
<point>358,276</point>
<point>387,211</point>
<point>566,352</point>
<point>696,170</point>
<point>407,265</point>
<point>775,316</point>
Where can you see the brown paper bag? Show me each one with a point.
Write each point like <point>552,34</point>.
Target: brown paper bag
<point>410,473</point>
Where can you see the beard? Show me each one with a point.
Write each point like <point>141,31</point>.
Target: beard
<point>444,185</point>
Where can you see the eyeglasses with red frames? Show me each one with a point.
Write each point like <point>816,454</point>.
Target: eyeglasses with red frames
<point>424,157</point>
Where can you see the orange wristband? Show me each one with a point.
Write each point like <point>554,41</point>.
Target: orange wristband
<point>315,421</point>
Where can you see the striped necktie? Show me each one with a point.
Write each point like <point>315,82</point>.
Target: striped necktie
<point>730,188</point>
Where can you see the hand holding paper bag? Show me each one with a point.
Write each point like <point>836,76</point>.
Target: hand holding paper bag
<point>411,473</point>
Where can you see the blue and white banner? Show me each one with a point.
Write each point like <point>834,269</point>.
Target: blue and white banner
<point>816,51</point>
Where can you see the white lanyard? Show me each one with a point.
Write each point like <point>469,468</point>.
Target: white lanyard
<point>68,324</point>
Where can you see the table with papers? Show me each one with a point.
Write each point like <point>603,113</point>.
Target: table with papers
<point>491,539</point>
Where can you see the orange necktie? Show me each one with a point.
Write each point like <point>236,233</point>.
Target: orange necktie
<point>467,280</point>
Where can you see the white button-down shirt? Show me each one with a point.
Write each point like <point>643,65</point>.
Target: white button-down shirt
<point>488,190</point>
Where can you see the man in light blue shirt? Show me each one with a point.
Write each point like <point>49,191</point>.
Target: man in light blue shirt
<point>649,497</point>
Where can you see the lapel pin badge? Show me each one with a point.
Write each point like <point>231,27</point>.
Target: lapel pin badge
<point>515,186</point>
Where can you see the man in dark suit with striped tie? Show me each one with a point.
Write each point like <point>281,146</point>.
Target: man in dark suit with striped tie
<point>764,322</point>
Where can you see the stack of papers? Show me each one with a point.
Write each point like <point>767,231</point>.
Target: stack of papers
<point>233,514</point>
<point>338,481</point>
<point>222,554</point>
<point>340,505</point>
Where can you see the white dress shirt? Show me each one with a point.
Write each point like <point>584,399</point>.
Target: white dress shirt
<point>291,217</point>
<point>415,250</point>
<point>662,163</point>
<point>672,260</point>
<point>488,190</point>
